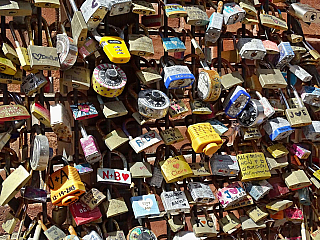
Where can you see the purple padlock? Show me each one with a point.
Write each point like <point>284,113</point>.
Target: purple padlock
<point>89,146</point>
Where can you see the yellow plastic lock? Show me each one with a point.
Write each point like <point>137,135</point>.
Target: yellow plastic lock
<point>204,138</point>
<point>116,49</point>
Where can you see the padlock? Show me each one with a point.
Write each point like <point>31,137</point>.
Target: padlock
<point>93,13</point>
<point>154,20</point>
<point>315,173</point>
<point>140,44</point>
<point>93,234</point>
<point>13,183</point>
<point>151,103</point>
<point>89,47</point>
<point>82,214</point>
<point>277,150</point>
<point>175,10</point>
<point>300,73</point>
<point>171,135</point>
<point>286,53</point>
<point>312,131</point>
<point>236,101</point>
<point>250,48</point>
<point>231,194</point>
<point>176,223</point>
<point>140,231</point>
<point>47,3</point>
<point>157,178</point>
<point>84,110</point>
<point>60,118</point>
<point>248,224</point>
<point>314,53</point>
<point>196,46</point>
<point>247,163</point>
<point>59,215</point>
<point>53,232</point>
<point>115,138</point>
<point>296,180</point>
<point>214,28</point>
<point>13,112</point>
<point>203,138</point>
<point>298,117</point>
<point>218,126</point>
<point>311,95</point>
<point>257,213</point>
<point>278,205</point>
<point>92,198</point>
<point>147,75</point>
<point>197,15</point>
<point>108,80</point>
<point>145,205</point>
<point>115,235</point>
<point>171,44</point>
<point>117,7</point>
<point>113,206</point>
<point>66,48</point>
<point>251,133</point>
<point>202,226</point>
<point>248,7</point>
<point>40,112</point>
<point>42,58</point>
<point>110,175</point>
<point>278,128</point>
<point>113,46</point>
<point>77,77</point>
<point>65,184</point>
<point>175,168</point>
<point>271,21</point>
<point>8,50</point>
<point>271,78</point>
<point>12,219</point>
<point>143,141</point>
<point>39,154</point>
<point>6,136</point>
<point>258,189</point>
<point>252,114</point>
<point>78,24</point>
<point>231,79</point>
<point>139,169</point>
<point>270,46</point>
<point>16,8</point>
<point>250,20</point>
<point>175,201</point>
<point>232,13</point>
<point>177,106</point>
<point>143,8</point>
<point>299,151</point>
<point>11,79</point>
<point>89,146</point>
<point>33,82</point>
<point>304,12</point>
<point>112,109</point>
<point>199,107</point>
<point>200,192</point>
<point>209,85</point>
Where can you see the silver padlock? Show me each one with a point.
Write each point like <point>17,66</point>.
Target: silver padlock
<point>300,73</point>
<point>278,128</point>
<point>233,13</point>
<point>305,12</point>
<point>286,53</point>
<point>93,12</point>
<point>33,82</point>
<point>311,95</point>
<point>312,132</point>
<point>200,192</point>
<point>236,101</point>
<point>215,25</point>
<point>252,114</point>
<point>267,108</point>
<point>118,7</point>
<point>251,48</point>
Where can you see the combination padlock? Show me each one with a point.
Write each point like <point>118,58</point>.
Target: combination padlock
<point>252,114</point>
<point>236,101</point>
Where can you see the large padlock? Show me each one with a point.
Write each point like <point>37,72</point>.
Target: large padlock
<point>14,112</point>
<point>112,109</point>
<point>93,12</point>
<point>108,80</point>
<point>33,82</point>
<point>42,58</point>
<point>278,128</point>
<point>66,48</point>
<point>197,15</point>
<point>114,46</point>
<point>298,117</point>
<point>65,184</point>
<point>232,13</point>
<point>271,78</point>
<point>89,146</point>
<point>60,118</point>
<point>145,205</point>
<point>84,110</point>
<point>40,111</point>
<point>110,175</point>
<point>214,28</point>
<point>251,48</point>
<point>202,226</point>
<point>175,201</point>
<point>140,45</point>
<point>236,101</point>
<point>143,141</point>
<point>203,138</point>
<point>171,44</point>
<point>115,138</point>
<point>147,75</point>
<point>39,154</point>
<point>113,206</point>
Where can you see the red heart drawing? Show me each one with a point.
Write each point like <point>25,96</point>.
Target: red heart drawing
<point>125,176</point>
<point>204,222</point>
<point>177,165</point>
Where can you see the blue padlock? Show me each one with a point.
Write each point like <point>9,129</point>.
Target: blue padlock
<point>171,44</point>
<point>286,54</point>
<point>236,101</point>
<point>278,128</point>
<point>177,76</point>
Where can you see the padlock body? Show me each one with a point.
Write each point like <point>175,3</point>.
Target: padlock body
<point>114,109</point>
<point>118,7</point>
<point>232,13</point>
<point>250,48</point>
<point>175,11</point>
<point>304,12</point>
<point>115,48</point>
<point>9,223</point>
<point>77,77</point>
<point>41,113</point>
<point>300,73</point>
<point>33,82</point>
<point>115,139</point>
<point>286,54</point>
<point>93,12</point>
<point>10,53</point>
<point>148,206</point>
<point>7,66</point>
<point>16,8</point>
<point>47,3</point>
<point>298,117</point>
<point>79,29</point>
<point>200,107</point>
<point>171,136</point>
<point>278,128</point>
<point>148,75</point>
<point>209,85</point>
<point>11,79</point>
<point>173,44</point>
<point>214,28</point>
<point>200,192</point>
<point>278,150</point>
<point>250,133</point>
<point>144,141</point>
<point>90,149</point>
<point>236,101</point>
<point>140,45</point>
<point>177,77</point>
<point>311,95</point>
<point>43,58</point>
<point>196,15</point>
<point>299,151</point>
<point>67,51</point>
<point>177,107</point>
<point>143,8</point>
<point>92,198</point>
<point>224,165</point>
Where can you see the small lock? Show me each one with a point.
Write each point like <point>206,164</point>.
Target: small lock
<point>177,106</point>
<point>112,109</point>
<point>234,190</point>
<point>232,13</point>
<point>286,53</point>
<point>311,95</point>
<point>200,192</point>
<point>251,133</point>
<point>93,12</point>
<point>33,82</point>
<point>171,135</point>
<point>278,150</point>
<point>296,180</point>
<point>251,48</point>
<point>171,44</point>
<point>175,11</point>
<point>236,101</point>
<point>258,189</point>
<point>312,131</point>
<point>140,45</point>
<point>89,146</point>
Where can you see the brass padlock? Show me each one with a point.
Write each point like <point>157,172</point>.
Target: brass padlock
<point>271,78</point>
<point>171,135</point>
<point>147,75</point>
<point>140,45</point>
<point>8,50</point>
<point>12,219</point>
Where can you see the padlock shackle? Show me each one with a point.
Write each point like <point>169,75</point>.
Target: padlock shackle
<point>284,98</point>
<point>104,229</point>
<point>14,36</point>
<point>171,61</point>
<point>139,58</point>
<point>183,147</point>
<point>99,98</point>
<point>36,100</point>
<point>80,94</point>
<point>96,227</point>
<point>27,20</point>
<point>131,91</point>
<point>157,122</point>
<point>220,7</point>
<point>161,29</point>
<point>247,69</point>
<point>23,137</point>
<point>145,30</point>
<point>83,130</point>
<point>225,63</point>
<point>98,123</point>
<point>119,154</point>
<point>247,31</point>
<point>58,98</point>
<point>128,104</point>
<point>124,127</point>
<point>296,95</point>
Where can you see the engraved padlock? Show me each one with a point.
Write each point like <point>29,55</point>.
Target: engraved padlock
<point>232,13</point>
<point>93,12</point>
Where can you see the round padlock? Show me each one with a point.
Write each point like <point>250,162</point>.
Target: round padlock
<point>153,103</point>
<point>141,233</point>
<point>40,153</point>
<point>209,85</point>
<point>252,114</point>
<point>108,80</point>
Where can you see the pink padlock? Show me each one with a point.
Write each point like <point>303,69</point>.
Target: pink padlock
<point>299,151</point>
<point>89,146</point>
<point>271,47</point>
<point>231,194</point>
